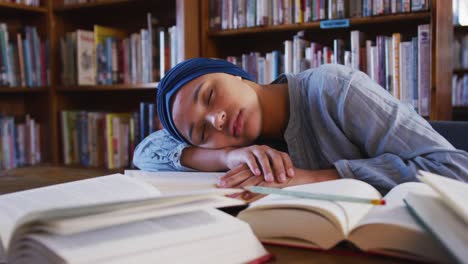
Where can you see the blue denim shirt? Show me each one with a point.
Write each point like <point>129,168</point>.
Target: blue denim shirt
<point>340,118</point>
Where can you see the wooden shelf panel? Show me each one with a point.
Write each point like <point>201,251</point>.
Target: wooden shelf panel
<point>100,3</point>
<point>460,71</point>
<point>22,8</point>
<point>399,18</point>
<point>115,87</point>
<point>23,89</point>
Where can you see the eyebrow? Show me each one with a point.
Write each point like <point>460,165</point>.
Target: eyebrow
<point>195,100</point>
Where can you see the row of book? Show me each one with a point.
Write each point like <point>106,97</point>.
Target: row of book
<point>233,14</point>
<point>460,52</point>
<point>460,90</point>
<point>110,56</point>
<point>401,67</point>
<point>100,139</point>
<point>24,2</point>
<point>24,59</point>
<point>20,142</point>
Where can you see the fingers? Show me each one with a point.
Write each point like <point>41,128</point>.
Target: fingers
<point>288,165</point>
<point>235,176</point>
<point>252,163</point>
<point>276,159</point>
<point>264,161</point>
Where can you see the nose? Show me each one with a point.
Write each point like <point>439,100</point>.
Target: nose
<point>217,119</point>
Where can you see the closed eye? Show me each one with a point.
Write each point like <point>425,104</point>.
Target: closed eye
<point>210,96</point>
<point>202,140</point>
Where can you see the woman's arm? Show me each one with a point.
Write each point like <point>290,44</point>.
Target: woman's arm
<point>161,152</point>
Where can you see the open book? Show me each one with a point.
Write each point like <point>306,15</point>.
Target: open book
<point>388,230</point>
<point>443,212</point>
<point>119,219</point>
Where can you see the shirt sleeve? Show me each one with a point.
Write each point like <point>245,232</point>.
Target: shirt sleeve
<point>159,152</point>
<point>396,141</point>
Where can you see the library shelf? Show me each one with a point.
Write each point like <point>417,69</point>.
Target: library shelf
<point>21,8</point>
<point>23,90</point>
<point>114,87</point>
<point>398,18</point>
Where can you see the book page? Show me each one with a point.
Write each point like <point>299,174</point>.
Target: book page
<point>168,182</point>
<point>390,229</point>
<point>452,192</point>
<point>112,188</point>
<point>444,224</point>
<point>344,215</point>
<point>185,237</point>
<point>394,211</point>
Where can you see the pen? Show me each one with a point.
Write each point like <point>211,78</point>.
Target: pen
<point>315,196</point>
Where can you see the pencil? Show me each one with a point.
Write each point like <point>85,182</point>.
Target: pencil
<point>315,196</point>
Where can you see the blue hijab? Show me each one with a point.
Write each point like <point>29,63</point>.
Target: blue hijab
<point>180,75</point>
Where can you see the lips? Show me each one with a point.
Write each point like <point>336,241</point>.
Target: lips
<point>237,125</point>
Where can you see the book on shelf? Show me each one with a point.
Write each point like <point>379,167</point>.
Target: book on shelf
<point>387,230</point>
<point>89,219</point>
<point>24,58</point>
<point>104,139</point>
<point>228,14</point>
<point>19,142</point>
<point>107,55</point>
<point>402,66</point>
<point>443,212</point>
<point>35,3</point>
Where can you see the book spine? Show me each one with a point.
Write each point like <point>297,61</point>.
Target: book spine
<point>424,69</point>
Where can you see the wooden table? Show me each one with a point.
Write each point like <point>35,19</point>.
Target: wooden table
<point>34,177</point>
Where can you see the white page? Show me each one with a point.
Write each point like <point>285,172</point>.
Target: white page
<point>112,188</point>
<point>454,193</point>
<point>173,182</point>
<point>394,211</point>
<point>346,213</point>
<point>149,235</point>
<point>443,223</point>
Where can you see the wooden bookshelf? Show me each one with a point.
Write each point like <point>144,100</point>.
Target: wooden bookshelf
<point>53,19</point>
<point>130,16</point>
<point>35,101</point>
<point>268,38</point>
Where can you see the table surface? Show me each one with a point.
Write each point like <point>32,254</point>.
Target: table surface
<point>39,176</point>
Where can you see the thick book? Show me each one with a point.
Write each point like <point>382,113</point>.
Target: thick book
<point>387,230</point>
<point>119,219</point>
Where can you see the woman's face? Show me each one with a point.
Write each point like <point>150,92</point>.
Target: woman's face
<point>217,110</point>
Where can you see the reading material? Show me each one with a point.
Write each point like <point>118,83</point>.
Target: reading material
<point>388,230</point>
<point>168,182</point>
<point>118,219</point>
<point>452,192</point>
<point>443,212</point>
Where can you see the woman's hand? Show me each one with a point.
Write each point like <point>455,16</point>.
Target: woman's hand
<point>273,163</point>
<point>242,176</point>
